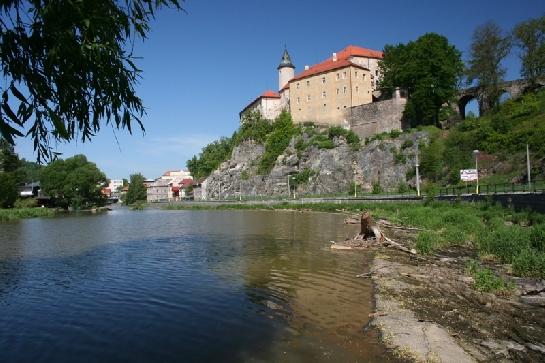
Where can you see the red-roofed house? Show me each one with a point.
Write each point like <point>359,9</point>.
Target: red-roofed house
<point>322,93</point>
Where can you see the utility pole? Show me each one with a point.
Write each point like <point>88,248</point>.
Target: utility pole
<point>417,165</point>
<point>476,152</point>
<point>528,166</point>
<point>240,193</point>
<point>289,190</point>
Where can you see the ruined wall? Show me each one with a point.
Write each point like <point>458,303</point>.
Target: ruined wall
<point>374,118</point>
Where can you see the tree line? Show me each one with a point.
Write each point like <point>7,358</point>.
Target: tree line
<point>432,70</point>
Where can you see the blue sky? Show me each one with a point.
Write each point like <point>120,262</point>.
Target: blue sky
<point>200,68</point>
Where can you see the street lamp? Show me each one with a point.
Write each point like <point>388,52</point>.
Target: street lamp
<point>417,165</point>
<point>355,184</point>
<point>476,153</point>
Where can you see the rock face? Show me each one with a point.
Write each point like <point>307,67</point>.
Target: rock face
<point>331,171</point>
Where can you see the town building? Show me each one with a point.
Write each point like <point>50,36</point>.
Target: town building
<point>323,93</point>
<point>171,186</point>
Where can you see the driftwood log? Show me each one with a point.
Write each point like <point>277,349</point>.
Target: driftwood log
<point>371,234</point>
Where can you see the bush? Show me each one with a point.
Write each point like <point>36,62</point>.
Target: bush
<point>395,133</point>
<point>537,237</point>
<point>377,188</point>
<point>486,280</point>
<point>8,190</point>
<point>529,263</point>
<point>426,242</point>
<point>26,203</point>
<point>277,141</point>
<point>407,144</point>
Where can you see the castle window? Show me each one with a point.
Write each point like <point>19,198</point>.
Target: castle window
<point>344,89</point>
<point>363,76</point>
<point>357,89</point>
<point>323,79</point>
<point>298,100</point>
<point>324,104</point>
<point>356,74</point>
<point>308,83</point>
<point>308,98</point>
<point>297,85</point>
<point>323,94</point>
<point>337,76</point>
<point>344,75</point>
<point>337,91</point>
<point>376,72</point>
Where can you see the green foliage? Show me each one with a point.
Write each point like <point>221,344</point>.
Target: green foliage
<point>137,190</point>
<point>430,190</point>
<point>407,144</point>
<point>349,135</point>
<point>530,38</point>
<point>486,280</point>
<point>488,48</point>
<point>68,54</point>
<point>277,141</point>
<point>210,158</point>
<point>537,238</point>
<point>377,188</point>
<point>432,160</point>
<point>244,175</point>
<point>403,188</point>
<point>74,182</point>
<point>8,190</point>
<point>426,242</point>
<point>395,133</point>
<point>254,127</point>
<point>302,177</point>
<point>26,203</point>
<point>20,213</point>
<point>429,68</point>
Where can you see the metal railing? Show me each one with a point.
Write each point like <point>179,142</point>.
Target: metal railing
<point>536,186</point>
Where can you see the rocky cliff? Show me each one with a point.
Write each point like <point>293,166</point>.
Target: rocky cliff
<point>380,164</point>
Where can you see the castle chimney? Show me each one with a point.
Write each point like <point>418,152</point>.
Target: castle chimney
<point>306,68</point>
<point>334,57</point>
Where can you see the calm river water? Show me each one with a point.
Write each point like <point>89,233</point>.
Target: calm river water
<point>183,286</point>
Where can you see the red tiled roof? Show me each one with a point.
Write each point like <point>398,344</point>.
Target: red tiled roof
<point>269,94</point>
<point>186,182</point>
<point>326,66</point>
<point>355,51</point>
<point>341,62</point>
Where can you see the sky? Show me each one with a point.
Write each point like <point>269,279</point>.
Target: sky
<point>204,65</point>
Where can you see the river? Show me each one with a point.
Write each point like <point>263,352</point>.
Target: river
<point>183,286</point>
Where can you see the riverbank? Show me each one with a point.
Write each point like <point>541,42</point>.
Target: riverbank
<point>474,292</point>
<point>21,213</point>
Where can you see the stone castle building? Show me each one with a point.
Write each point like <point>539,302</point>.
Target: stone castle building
<point>326,93</point>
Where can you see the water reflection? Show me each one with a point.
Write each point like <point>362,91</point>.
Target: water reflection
<point>182,286</point>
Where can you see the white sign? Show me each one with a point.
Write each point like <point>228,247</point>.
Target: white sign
<point>468,174</point>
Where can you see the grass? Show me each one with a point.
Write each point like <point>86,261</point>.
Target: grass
<point>486,280</point>
<point>516,238</point>
<point>20,213</point>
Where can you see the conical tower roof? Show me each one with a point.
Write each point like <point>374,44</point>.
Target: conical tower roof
<point>286,60</point>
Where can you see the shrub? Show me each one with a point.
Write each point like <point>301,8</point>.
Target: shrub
<point>26,203</point>
<point>377,188</point>
<point>407,144</point>
<point>537,237</point>
<point>486,280</point>
<point>395,133</point>
<point>426,242</point>
<point>529,263</point>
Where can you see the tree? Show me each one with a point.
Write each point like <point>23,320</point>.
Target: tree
<point>8,190</point>
<point>429,68</point>
<point>137,190</point>
<point>74,182</point>
<point>488,49</point>
<point>69,68</point>
<point>529,36</point>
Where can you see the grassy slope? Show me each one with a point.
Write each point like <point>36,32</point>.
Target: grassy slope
<point>20,213</point>
<point>501,136</point>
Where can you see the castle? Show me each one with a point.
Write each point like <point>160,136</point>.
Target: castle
<point>325,92</point>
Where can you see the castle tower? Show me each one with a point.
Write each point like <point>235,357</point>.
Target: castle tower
<point>286,70</point>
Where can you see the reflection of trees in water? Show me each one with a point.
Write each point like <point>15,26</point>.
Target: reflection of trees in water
<point>10,264</point>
